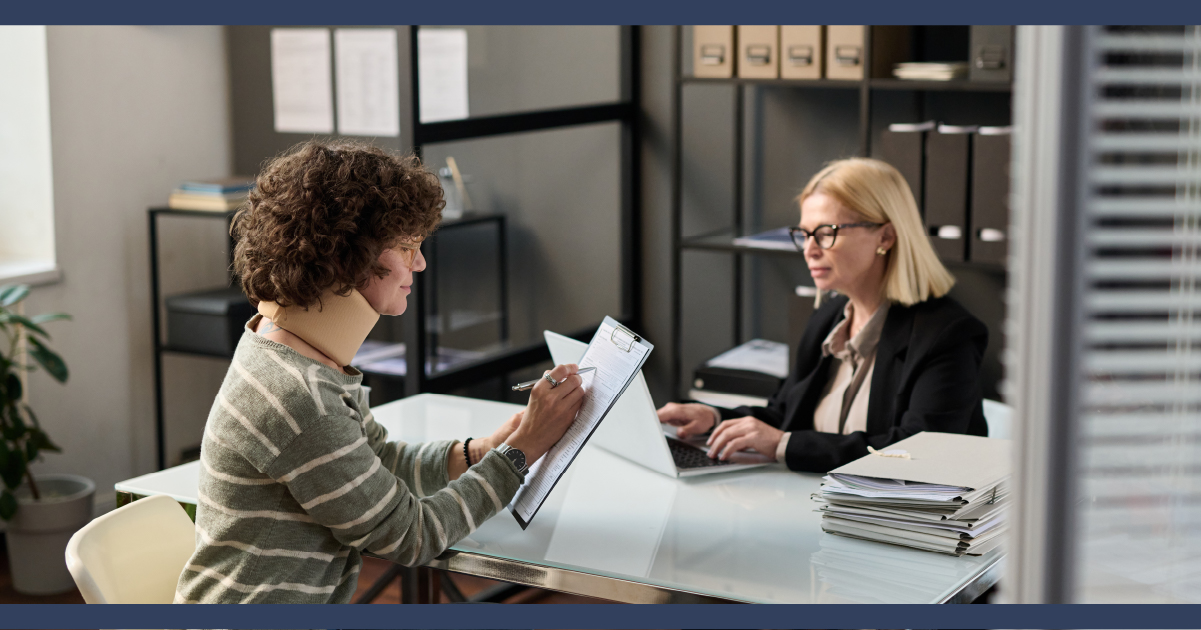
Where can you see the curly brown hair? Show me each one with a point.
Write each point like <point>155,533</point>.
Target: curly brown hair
<point>321,214</point>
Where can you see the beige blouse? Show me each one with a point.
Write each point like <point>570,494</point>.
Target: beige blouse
<point>843,406</point>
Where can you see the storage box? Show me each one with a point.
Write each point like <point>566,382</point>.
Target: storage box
<point>207,322</point>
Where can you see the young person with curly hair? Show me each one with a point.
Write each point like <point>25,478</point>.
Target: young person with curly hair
<point>297,480</point>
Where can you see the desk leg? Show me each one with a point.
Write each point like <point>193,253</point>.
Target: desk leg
<point>420,585</point>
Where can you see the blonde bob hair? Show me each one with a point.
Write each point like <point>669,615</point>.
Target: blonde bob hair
<point>876,192</point>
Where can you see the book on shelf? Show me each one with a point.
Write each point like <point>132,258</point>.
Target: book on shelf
<point>220,186</point>
<point>215,195</point>
<point>183,200</point>
<point>778,238</point>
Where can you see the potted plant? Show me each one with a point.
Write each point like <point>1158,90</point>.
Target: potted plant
<point>42,511</point>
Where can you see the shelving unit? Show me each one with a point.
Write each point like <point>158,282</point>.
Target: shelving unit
<point>722,240</point>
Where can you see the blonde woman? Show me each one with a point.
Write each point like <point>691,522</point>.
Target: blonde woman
<point>886,357</point>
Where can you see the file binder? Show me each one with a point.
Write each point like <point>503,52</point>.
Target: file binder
<point>904,147</point>
<point>759,52</point>
<point>713,51</point>
<point>991,53</point>
<point>948,162</point>
<point>990,195</point>
<point>802,51</point>
<point>844,52</point>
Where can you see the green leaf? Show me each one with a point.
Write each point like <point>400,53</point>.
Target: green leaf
<point>38,437</point>
<point>12,387</point>
<point>49,317</point>
<point>12,293</point>
<point>13,318</point>
<point>8,505</point>
<point>32,416</point>
<point>15,470</point>
<point>46,357</point>
<point>31,450</point>
<point>3,456</point>
<point>15,428</point>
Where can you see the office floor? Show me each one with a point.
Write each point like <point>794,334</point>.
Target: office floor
<point>372,569</point>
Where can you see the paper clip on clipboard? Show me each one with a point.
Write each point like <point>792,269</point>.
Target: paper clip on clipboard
<point>615,371</point>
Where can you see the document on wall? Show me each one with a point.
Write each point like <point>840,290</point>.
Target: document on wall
<point>365,62</point>
<point>617,353</point>
<point>442,73</point>
<point>300,80</point>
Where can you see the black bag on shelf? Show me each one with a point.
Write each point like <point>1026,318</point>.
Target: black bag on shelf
<point>207,322</point>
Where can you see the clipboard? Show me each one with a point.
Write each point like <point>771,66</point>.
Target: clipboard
<point>617,361</point>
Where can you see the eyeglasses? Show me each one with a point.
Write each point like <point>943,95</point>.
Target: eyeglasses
<point>825,234</point>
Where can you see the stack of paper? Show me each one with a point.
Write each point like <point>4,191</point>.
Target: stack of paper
<point>930,71</point>
<point>934,491</point>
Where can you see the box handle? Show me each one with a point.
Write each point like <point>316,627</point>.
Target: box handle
<point>758,54</point>
<point>848,55</point>
<point>713,54</point>
<point>990,58</point>
<point>800,55</point>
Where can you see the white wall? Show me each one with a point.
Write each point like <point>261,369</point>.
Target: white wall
<point>133,111</point>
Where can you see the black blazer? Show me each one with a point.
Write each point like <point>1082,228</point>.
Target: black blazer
<point>926,378</point>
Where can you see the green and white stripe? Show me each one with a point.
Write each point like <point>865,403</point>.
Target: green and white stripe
<point>297,480</point>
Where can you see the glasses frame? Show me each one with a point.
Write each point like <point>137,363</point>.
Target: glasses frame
<point>793,231</point>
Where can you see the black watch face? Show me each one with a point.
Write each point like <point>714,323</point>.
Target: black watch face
<point>517,457</point>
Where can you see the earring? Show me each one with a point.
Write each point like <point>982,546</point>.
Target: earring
<point>880,251</point>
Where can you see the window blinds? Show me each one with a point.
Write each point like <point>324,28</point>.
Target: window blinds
<point>1139,459</point>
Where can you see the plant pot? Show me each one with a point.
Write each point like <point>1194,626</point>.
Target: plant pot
<point>37,536</point>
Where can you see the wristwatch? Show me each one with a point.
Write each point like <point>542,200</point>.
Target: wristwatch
<point>515,456</point>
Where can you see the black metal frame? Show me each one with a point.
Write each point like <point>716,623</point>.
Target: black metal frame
<point>625,112</point>
<point>866,87</point>
<point>160,433</point>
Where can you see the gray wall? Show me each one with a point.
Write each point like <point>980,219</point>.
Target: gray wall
<point>134,110</point>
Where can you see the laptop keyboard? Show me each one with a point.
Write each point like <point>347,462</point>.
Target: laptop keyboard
<point>688,456</point>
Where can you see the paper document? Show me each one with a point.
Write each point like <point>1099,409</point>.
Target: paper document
<point>442,73</point>
<point>617,354</point>
<point>368,82</point>
<point>300,80</point>
<point>756,355</point>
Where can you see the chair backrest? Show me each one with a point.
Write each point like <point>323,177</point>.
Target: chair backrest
<point>999,418</point>
<point>134,554</point>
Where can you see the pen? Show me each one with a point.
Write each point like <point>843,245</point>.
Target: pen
<point>521,387</point>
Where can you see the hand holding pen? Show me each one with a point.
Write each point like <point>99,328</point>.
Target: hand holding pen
<point>521,387</point>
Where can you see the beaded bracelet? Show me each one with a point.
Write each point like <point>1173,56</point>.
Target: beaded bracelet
<point>467,453</point>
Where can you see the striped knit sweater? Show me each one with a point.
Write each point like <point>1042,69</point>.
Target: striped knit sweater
<point>297,481</point>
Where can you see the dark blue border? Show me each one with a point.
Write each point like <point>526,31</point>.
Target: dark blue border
<point>298,12</point>
<point>601,616</point>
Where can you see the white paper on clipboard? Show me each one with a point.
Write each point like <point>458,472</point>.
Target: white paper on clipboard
<point>617,353</point>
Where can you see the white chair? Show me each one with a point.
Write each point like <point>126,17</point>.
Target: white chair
<point>134,554</point>
<point>999,418</point>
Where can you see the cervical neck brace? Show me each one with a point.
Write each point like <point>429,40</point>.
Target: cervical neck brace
<point>337,329</point>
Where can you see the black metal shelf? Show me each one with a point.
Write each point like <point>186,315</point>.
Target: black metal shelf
<point>836,84</point>
<point>961,85</point>
<point>888,84</point>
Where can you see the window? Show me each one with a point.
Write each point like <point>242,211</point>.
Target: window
<point>27,200</point>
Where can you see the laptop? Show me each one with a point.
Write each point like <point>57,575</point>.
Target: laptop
<point>632,429</point>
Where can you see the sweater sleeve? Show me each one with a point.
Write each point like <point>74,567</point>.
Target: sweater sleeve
<point>421,466</point>
<point>340,481</point>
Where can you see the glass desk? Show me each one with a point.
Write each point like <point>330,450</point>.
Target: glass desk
<point>615,530</point>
